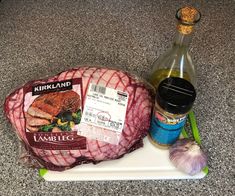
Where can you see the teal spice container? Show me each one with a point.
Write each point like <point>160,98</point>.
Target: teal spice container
<point>174,99</point>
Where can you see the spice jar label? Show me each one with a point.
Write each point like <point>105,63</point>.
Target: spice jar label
<point>167,130</point>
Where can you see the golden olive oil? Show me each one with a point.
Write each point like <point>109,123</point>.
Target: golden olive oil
<point>177,61</point>
<point>161,74</point>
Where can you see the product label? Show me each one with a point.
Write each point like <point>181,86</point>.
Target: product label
<point>52,111</point>
<point>52,87</point>
<point>166,130</point>
<point>104,114</point>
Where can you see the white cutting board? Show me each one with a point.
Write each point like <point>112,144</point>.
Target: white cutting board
<point>147,163</point>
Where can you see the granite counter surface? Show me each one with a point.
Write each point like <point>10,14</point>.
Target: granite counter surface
<point>41,38</point>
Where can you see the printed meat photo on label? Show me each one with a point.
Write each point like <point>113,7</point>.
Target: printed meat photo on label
<point>54,112</point>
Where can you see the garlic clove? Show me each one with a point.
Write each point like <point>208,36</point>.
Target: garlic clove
<point>187,156</point>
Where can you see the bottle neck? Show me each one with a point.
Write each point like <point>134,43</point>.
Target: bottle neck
<point>182,40</point>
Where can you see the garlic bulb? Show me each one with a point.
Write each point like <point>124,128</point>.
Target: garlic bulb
<point>187,156</point>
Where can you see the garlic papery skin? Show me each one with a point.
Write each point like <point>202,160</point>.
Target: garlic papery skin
<point>187,156</point>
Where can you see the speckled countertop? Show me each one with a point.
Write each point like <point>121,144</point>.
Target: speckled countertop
<point>42,38</point>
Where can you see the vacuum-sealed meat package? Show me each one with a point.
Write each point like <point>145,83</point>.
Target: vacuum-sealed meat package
<point>83,115</point>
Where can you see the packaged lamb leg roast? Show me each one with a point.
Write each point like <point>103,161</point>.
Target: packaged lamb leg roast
<point>83,115</point>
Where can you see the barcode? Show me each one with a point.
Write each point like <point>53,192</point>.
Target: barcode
<point>98,89</point>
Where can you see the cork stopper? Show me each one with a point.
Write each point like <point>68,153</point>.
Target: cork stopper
<point>188,14</point>
<point>187,18</point>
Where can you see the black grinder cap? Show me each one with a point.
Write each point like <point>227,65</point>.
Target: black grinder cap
<point>175,95</point>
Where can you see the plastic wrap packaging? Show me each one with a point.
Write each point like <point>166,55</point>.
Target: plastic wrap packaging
<point>82,115</point>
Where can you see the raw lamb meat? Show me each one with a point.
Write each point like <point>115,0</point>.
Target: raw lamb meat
<point>45,110</point>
